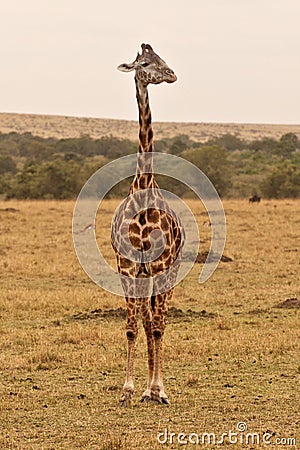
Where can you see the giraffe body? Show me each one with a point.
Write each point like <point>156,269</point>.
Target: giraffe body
<point>147,238</point>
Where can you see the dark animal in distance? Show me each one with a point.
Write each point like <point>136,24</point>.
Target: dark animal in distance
<point>255,199</point>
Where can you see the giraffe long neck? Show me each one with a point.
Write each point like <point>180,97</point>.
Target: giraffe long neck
<point>145,158</point>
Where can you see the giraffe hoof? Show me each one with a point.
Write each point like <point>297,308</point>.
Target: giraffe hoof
<point>158,399</point>
<point>162,401</point>
<point>125,399</point>
<point>125,402</point>
<point>165,400</point>
<point>145,399</point>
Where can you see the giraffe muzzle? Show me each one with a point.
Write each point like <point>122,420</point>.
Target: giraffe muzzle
<point>170,76</point>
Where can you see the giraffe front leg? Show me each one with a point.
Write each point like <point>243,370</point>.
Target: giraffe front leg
<point>132,331</point>
<point>157,387</point>
<point>158,326</point>
<point>146,397</point>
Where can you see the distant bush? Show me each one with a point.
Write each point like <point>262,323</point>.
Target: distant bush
<point>56,179</point>
<point>230,142</point>
<point>213,161</point>
<point>284,181</point>
<point>266,145</point>
<point>7,164</point>
<point>288,143</point>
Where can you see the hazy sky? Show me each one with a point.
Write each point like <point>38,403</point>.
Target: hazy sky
<point>236,60</point>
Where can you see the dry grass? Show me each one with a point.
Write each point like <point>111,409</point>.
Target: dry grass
<point>66,127</point>
<point>62,372</point>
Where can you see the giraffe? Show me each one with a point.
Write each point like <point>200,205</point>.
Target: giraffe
<point>152,226</point>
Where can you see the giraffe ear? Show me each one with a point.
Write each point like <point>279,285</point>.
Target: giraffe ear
<point>126,67</point>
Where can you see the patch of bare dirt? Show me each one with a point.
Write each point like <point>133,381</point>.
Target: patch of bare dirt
<point>12,210</point>
<point>258,311</point>
<point>289,303</point>
<point>110,314</point>
<point>202,256</point>
<point>174,315</point>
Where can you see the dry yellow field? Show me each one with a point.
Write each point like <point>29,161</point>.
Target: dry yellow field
<point>231,353</point>
<point>74,127</point>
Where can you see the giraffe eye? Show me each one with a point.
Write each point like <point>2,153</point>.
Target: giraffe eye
<point>145,64</point>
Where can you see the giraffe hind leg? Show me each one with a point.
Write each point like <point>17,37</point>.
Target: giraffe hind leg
<point>155,389</point>
<point>146,315</point>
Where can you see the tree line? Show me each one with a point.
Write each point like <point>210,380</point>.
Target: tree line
<point>50,168</point>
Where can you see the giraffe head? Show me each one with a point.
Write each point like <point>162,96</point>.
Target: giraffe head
<point>149,67</point>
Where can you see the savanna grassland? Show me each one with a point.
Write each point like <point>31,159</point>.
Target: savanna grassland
<point>231,352</point>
